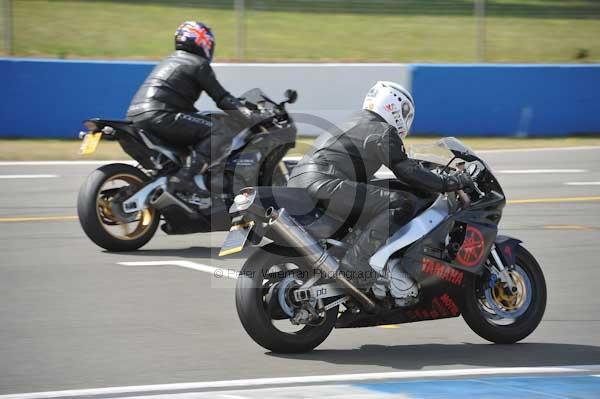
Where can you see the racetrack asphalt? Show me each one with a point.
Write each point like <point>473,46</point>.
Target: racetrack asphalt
<point>73,317</point>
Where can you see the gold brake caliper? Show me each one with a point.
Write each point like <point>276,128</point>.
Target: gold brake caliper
<point>510,301</point>
<point>106,209</point>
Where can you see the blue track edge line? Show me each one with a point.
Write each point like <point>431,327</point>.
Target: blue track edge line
<point>580,387</point>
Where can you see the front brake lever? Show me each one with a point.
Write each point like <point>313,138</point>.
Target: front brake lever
<point>477,190</point>
<point>464,197</point>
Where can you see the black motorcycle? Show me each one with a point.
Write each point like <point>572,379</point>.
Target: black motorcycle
<point>448,260</point>
<point>120,206</point>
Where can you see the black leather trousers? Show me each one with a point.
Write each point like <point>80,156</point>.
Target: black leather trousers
<point>182,130</point>
<point>376,211</point>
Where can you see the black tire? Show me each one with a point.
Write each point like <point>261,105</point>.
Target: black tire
<point>278,179</point>
<point>524,324</point>
<point>271,173</point>
<point>255,318</point>
<point>90,220</point>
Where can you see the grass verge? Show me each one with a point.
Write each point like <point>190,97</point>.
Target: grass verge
<point>401,31</point>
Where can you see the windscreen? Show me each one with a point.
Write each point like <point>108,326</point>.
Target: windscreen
<point>442,151</point>
<point>254,96</point>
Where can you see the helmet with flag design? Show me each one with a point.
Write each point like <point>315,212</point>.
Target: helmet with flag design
<point>195,37</point>
<point>393,103</point>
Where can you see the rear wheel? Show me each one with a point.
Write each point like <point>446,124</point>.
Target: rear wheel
<point>502,317</point>
<point>100,213</point>
<point>264,304</point>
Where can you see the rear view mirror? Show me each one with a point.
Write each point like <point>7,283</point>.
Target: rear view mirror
<point>291,95</point>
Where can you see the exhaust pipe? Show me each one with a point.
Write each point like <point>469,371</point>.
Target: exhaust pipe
<point>295,236</point>
<point>162,199</point>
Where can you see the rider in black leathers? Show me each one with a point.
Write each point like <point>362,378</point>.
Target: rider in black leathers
<point>164,104</point>
<point>338,168</point>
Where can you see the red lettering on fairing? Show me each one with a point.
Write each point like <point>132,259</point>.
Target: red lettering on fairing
<point>450,304</point>
<point>442,271</point>
<point>441,307</point>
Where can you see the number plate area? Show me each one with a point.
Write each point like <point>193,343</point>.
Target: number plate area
<point>90,143</point>
<point>236,239</point>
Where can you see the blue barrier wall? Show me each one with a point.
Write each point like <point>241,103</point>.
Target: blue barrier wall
<point>65,92</point>
<point>506,100</point>
<point>50,98</point>
<point>47,98</point>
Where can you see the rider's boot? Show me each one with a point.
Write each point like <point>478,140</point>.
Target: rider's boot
<point>184,181</point>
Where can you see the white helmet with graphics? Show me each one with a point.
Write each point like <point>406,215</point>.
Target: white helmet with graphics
<point>393,103</point>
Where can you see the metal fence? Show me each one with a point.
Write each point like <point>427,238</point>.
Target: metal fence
<point>313,30</point>
<point>6,26</point>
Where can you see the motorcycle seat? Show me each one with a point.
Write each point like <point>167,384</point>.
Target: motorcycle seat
<point>114,121</point>
<point>128,127</point>
<point>124,125</point>
<point>307,211</point>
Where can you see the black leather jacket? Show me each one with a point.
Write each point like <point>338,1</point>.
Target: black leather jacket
<point>357,151</point>
<point>175,85</point>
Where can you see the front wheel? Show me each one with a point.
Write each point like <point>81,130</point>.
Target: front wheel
<point>264,304</point>
<point>100,212</point>
<point>275,171</point>
<point>502,317</point>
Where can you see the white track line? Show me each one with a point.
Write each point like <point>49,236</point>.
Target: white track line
<point>62,163</point>
<point>384,172</point>
<point>578,148</point>
<point>28,176</point>
<point>90,162</point>
<point>540,171</point>
<point>215,271</point>
<point>399,375</point>
<point>583,183</point>
<point>316,65</point>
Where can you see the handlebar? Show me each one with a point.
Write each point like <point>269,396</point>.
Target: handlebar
<point>266,112</point>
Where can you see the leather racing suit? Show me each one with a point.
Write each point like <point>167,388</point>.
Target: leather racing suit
<point>337,171</point>
<point>164,105</point>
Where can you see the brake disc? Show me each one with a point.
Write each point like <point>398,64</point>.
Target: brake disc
<point>283,288</point>
<point>510,306</point>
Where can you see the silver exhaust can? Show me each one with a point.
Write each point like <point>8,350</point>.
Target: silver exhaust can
<point>302,242</point>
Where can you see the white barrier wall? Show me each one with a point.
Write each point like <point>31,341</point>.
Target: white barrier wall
<point>329,91</point>
<point>476,100</point>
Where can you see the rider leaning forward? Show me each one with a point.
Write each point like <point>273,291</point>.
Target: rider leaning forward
<point>337,170</point>
<point>164,104</point>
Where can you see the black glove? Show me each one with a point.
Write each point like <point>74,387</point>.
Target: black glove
<point>458,181</point>
<point>234,107</point>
